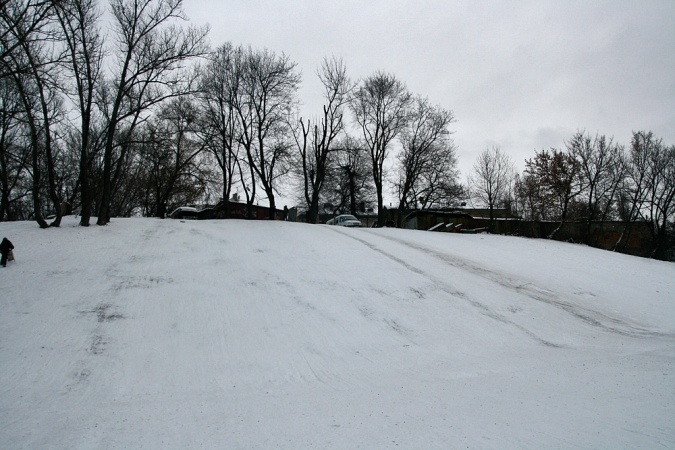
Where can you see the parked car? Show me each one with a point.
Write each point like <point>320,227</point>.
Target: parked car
<point>184,212</point>
<point>345,220</point>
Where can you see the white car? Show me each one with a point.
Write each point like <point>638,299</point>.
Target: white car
<point>184,212</point>
<point>345,220</point>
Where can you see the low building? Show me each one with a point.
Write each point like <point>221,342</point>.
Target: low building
<point>236,210</point>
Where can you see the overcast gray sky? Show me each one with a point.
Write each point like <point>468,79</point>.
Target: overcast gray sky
<point>522,75</point>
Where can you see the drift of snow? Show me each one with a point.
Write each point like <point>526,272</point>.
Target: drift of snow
<point>234,334</point>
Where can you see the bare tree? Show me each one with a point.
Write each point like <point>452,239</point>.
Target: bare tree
<point>491,179</point>
<point>270,84</point>
<point>316,144</point>
<point>439,188</point>
<point>30,62</point>
<point>427,163</point>
<point>650,187</point>
<point>220,92</point>
<point>556,176</point>
<point>535,199</point>
<point>170,154</point>
<point>349,185</point>
<point>80,22</point>
<point>35,132</point>
<point>600,173</point>
<point>14,155</point>
<point>380,107</point>
<point>150,51</point>
<point>23,21</point>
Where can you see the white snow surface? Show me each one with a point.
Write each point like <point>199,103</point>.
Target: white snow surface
<point>172,334</point>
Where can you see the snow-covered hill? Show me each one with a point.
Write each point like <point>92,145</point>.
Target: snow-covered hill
<point>231,334</point>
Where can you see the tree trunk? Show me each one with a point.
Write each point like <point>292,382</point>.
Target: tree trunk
<point>352,193</point>
<point>85,189</point>
<point>85,194</point>
<point>380,202</point>
<point>227,190</point>
<point>4,201</point>
<point>104,207</point>
<point>161,210</point>
<point>37,203</point>
<point>273,210</point>
<point>313,211</point>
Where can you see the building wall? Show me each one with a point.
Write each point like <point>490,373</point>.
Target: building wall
<point>244,211</point>
<point>633,238</point>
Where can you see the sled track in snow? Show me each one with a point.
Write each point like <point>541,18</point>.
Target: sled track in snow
<point>482,308</point>
<point>589,316</point>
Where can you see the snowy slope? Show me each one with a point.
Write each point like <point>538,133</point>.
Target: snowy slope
<point>231,334</point>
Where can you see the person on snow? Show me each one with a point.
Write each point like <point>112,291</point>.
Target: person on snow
<point>5,247</point>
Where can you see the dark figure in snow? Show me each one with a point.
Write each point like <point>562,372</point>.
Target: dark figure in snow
<point>5,247</point>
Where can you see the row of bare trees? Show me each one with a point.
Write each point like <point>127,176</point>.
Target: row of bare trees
<point>135,114</point>
<point>592,179</point>
<point>346,167</point>
<point>141,116</point>
<point>76,108</point>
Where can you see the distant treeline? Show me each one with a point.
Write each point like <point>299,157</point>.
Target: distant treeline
<point>136,115</point>
<point>592,179</point>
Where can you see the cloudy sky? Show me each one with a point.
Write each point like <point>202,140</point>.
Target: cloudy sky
<point>521,75</point>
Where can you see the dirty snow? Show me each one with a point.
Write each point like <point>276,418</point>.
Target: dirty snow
<point>174,334</point>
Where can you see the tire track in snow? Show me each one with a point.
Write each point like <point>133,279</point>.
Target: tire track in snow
<point>587,315</point>
<point>482,308</point>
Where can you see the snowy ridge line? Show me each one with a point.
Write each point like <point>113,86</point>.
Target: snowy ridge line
<point>589,316</point>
